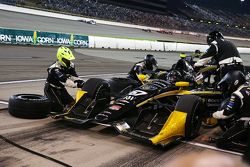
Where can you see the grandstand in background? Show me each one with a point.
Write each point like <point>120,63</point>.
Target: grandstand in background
<point>154,6</point>
<point>191,15</point>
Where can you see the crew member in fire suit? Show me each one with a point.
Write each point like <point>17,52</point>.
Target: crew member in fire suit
<point>223,52</point>
<point>235,108</point>
<point>60,74</point>
<point>147,66</point>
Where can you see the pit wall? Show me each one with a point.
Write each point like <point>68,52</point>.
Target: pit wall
<point>29,37</point>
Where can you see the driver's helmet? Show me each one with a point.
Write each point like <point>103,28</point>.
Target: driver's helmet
<point>64,56</point>
<point>232,81</point>
<point>174,76</point>
<point>180,65</point>
<point>213,36</point>
<point>150,61</point>
<point>183,66</point>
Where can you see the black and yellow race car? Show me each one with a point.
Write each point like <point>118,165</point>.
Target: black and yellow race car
<point>159,111</point>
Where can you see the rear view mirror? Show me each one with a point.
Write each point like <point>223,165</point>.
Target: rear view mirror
<point>143,77</point>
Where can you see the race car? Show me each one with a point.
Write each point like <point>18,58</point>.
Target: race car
<point>88,21</point>
<point>159,112</point>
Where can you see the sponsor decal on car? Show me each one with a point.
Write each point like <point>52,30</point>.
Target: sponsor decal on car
<point>115,107</point>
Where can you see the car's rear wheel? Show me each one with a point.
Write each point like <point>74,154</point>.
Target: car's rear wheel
<point>30,106</point>
<point>193,106</point>
<point>93,84</point>
<point>122,86</point>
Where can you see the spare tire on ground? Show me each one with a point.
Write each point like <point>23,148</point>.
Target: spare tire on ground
<point>29,106</point>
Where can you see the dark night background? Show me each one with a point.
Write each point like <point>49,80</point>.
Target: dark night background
<point>231,5</point>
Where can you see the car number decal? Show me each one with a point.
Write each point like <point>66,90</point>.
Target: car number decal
<point>137,93</point>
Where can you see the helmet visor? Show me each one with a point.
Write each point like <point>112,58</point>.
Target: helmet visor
<point>66,62</point>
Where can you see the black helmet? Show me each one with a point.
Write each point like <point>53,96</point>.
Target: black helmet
<point>232,81</point>
<point>213,36</point>
<point>197,53</point>
<point>150,61</point>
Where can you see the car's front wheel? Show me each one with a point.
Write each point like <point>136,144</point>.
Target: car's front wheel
<point>193,106</point>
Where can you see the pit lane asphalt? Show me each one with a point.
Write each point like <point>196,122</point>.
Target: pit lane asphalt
<point>74,145</point>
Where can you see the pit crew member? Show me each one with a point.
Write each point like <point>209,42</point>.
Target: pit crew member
<point>223,52</point>
<point>60,74</point>
<point>147,66</point>
<point>236,108</point>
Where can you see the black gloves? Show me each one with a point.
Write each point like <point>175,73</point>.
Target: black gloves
<point>79,83</point>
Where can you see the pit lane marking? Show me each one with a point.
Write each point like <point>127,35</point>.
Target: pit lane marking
<point>4,103</point>
<point>37,80</point>
<point>211,147</point>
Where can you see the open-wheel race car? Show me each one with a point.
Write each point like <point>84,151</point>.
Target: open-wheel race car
<point>159,112</point>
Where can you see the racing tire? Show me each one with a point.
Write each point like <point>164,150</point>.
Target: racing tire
<point>122,86</point>
<point>193,106</point>
<point>29,106</point>
<point>91,86</point>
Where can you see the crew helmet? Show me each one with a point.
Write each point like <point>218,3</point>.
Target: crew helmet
<point>64,56</point>
<point>197,53</point>
<point>213,36</point>
<point>183,55</point>
<point>232,81</point>
<point>150,61</point>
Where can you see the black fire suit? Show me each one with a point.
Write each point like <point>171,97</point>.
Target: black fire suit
<point>235,109</point>
<point>225,54</point>
<point>58,78</point>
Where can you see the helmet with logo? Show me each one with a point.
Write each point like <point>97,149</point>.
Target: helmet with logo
<point>64,56</point>
<point>232,81</point>
<point>213,36</point>
<point>150,61</point>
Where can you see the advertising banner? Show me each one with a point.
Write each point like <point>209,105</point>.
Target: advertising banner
<point>12,36</point>
<point>80,41</point>
<point>48,38</point>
